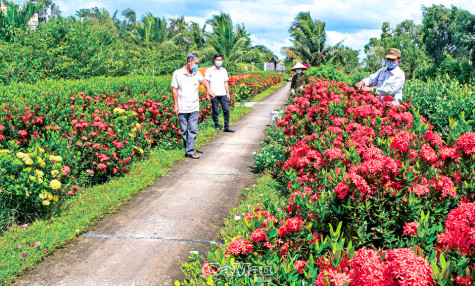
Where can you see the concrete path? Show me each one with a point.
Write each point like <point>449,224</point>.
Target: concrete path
<point>146,242</point>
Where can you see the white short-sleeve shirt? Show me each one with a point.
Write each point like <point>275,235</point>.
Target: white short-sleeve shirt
<point>188,97</point>
<point>388,82</point>
<point>217,78</point>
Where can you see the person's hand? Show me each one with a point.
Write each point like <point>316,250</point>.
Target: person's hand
<point>207,97</point>
<point>301,87</point>
<point>175,109</point>
<point>367,88</point>
<point>292,91</point>
<point>211,94</point>
<point>229,97</point>
<point>359,85</point>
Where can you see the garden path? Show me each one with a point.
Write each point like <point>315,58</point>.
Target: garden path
<point>145,243</point>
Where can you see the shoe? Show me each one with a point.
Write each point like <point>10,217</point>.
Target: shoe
<point>229,130</point>
<point>218,129</point>
<point>192,156</point>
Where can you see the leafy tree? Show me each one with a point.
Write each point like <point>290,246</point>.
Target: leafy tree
<point>15,20</point>
<point>232,41</point>
<point>309,44</point>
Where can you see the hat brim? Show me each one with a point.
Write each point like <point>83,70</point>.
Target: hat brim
<point>304,68</point>
<point>393,57</point>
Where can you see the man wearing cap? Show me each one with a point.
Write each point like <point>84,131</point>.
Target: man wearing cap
<point>387,81</point>
<point>185,84</point>
<point>299,80</point>
<point>218,78</point>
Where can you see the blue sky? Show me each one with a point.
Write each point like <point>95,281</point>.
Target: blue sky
<point>353,22</point>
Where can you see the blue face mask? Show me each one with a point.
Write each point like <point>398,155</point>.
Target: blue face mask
<point>194,67</point>
<point>298,71</point>
<point>391,65</point>
<point>218,63</point>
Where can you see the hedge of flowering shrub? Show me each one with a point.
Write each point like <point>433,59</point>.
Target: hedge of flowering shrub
<point>374,197</point>
<point>98,127</point>
<point>447,104</point>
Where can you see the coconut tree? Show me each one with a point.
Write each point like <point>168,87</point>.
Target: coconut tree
<point>309,40</point>
<point>231,41</point>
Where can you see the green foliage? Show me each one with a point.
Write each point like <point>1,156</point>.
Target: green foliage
<point>15,20</point>
<point>447,104</point>
<point>333,72</point>
<point>309,38</point>
<point>443,44</point>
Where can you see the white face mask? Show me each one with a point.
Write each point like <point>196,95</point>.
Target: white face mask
<point>218,63</point>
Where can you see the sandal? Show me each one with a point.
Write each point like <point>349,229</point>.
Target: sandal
<point>193,156</point>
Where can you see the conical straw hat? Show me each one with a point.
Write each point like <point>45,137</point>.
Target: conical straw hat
<point>299,66</point>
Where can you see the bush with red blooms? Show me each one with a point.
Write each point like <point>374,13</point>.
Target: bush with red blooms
<point>380,171</point>
<point>98,127</point>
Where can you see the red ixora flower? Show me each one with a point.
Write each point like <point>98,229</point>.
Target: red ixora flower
<point>459,234</point>
<point>466,143</point>
<point>300,266</point>
<point>410,228</point>
<point>259,235</point>
<point>239,247</point>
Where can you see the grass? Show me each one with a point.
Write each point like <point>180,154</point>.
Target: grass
<point>265,191</point>
<point>267,92</point>
<point>92,204</point>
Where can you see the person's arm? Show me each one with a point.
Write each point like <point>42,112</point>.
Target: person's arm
<point>175,100</point>
<point>175,94</point>
<point>206,82</point>
<point>226,86</point>
<point>370,81</point>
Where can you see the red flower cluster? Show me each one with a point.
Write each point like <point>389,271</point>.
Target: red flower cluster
<point>240,246</point>
<point>459,234</point>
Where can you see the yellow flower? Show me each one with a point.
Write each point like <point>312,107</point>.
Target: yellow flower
<point>40,180</point>
<point>54,173</point>
<point>27,194</point>
<point>39,173</point>
<point>118,110</point>
<point>55,184</point>
<point>55,198</point>
<point>5,151</point>
<point>43,196</point>
<point>32,178</point>
<point>45,203</point>
<point>41,150</point>
<point>40,162</point>
<point>28,161</point>
<point>21,155</point>
<point>55,158</point>
<point>50,197</point>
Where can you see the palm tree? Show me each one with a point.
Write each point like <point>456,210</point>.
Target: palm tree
<point>309,40</point>
<point>16,19</point>
<point>231,41</point>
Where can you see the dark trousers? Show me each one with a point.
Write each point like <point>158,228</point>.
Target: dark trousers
<point>189,130</point>
<point>223,100</point>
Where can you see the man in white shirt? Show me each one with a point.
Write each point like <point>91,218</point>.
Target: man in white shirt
<point>185,84</point>
<point>218,91</point>
<point>388,80</point>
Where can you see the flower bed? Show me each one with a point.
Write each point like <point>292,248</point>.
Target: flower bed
<point>96,127</point>
<point>374,197</point>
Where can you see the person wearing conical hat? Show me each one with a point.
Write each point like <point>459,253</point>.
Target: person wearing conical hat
<point>299,80</point>
<point>388,81</point>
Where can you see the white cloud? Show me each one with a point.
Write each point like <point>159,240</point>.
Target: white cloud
<point>269,20</point>
<point>356,40</point>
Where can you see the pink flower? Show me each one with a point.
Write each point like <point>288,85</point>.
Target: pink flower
<point>66,170</point>
<point>38,243</point>
<point>101,166</point>
<point>23,255</point>
<point>410,228</point>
